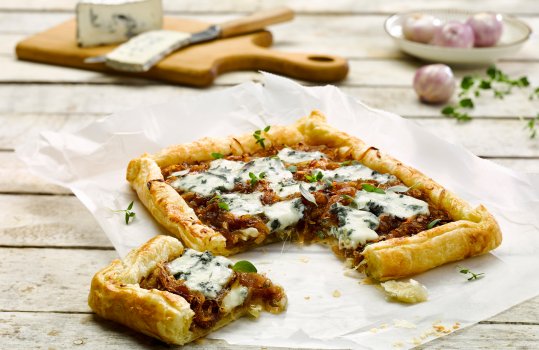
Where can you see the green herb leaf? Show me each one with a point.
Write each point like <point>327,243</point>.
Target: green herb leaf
<point>473,275</point>
<point>448,110</point>
<point>492,72</point>
<point>292,168</point>
<point>244,266</point>
<point>433,223</point>
<point>306,194</point>
<point>466,103</point>
<point>321,234</point>
<point>216,155</point>
<point>485,85</point>
<point>129,214</point>
<point>223,205</point>
<point>267,128</point>
<point>467,82</point>
<point>371,188</point>
<point>314,177</point>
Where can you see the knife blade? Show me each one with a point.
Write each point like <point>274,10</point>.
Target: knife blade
<point>144,50</point>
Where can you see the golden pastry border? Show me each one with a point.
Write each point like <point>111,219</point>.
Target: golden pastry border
<point>474,231</point>
<point>115,294</point>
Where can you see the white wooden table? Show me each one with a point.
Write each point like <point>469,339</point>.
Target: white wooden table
<point>50,246</point>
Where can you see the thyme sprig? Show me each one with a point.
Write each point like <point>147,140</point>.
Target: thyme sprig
<point>244,266</point>
<point>532,125</point>
<point>217,155</point>
<point>258,136</point>
<point>472,86</point>
<point>371,188</point>
<point>314,177</point>
<point>473,275</point>
<point>255,179</point>
<point>220,202</point>
<point>129,214</point>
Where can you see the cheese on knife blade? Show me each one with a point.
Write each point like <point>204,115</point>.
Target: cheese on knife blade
<point>102,22</point>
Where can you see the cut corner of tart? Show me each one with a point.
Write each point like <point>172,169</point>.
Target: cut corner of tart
<point>310,182</point>
<point>178,294</point>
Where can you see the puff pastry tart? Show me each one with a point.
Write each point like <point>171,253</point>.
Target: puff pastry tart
<point>310,182</point>
<point>178,295</point>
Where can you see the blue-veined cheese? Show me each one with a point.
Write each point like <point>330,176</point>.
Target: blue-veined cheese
<point>219,177</point>
<point>291,156</point>
<point>103,22</point>
<point>288,187</point>
<point>234,298</point>
<point>354,172</point>
<point>355,226</point>
<point>272,168</point>
<point>284,214</point>
<point>396,204</point>
<point>204,183</point>
<point>243,203</point>
<point>202,272</point>
<point>144,50</point>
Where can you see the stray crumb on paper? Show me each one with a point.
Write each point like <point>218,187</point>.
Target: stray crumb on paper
<point>336,293</point>
<point>367,281</point>
<point>398,344</point>
<point>307,297</point>
<point>304,259</point>
<point>404,324</point>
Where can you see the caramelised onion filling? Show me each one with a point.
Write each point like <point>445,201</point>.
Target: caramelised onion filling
<point>212,288</point>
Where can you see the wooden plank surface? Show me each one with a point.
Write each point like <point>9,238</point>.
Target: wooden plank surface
<point>42,226</point>
<point>525,7</point>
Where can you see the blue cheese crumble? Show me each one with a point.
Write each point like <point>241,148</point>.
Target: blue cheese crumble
<point>355,226</point>
<point>396,204</point>
<point>355,172</point>
<point>202,272</point>
<point>291,156</point>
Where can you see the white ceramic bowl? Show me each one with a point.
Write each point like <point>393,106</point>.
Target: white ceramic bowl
<point>514,35</point>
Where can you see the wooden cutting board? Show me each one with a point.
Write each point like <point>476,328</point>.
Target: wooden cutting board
<point>196,65</point>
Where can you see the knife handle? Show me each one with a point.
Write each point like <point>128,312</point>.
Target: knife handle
<point>256,21</point>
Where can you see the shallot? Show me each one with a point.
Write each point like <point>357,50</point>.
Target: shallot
<point>487,28</point>
<point>454,34</point>
<point>434,83</point>
<point>420,27</point>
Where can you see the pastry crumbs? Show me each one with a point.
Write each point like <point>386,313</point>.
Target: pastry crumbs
<point>336,293</point>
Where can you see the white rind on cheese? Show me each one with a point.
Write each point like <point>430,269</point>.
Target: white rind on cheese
<point>202,272</point>
<point>110,22</point>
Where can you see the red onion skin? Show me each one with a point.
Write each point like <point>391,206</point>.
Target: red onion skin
<point>454,34</point>
<point>420,27</point>
<point>487,28</point>
<point>434,83</point>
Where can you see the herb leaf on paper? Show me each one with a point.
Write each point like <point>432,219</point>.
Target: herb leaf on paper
<point>129,214</point>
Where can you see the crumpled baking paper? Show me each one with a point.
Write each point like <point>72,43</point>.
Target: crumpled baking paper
<point>329,307</point>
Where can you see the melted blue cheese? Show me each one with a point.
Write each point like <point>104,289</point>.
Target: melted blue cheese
<point>272,167</point>
<point>396,204</point>
<point>234,298</point>
<point>290,187</point>
<point>291,156</point>
<point>202,272</point>
<point>354,172</point>
<point>355,226</point>
<point>284,214</point>
<point>243,203</point>
<point>219,177</point>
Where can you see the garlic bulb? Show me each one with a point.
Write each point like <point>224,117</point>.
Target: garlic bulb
<point>454,34</point>
<point>420,27</point>
<point>434,83</point>
<point>487,28</point>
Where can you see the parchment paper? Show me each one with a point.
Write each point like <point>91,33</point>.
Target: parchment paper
<point>329,307</point>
